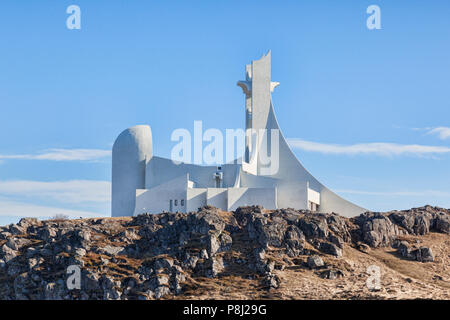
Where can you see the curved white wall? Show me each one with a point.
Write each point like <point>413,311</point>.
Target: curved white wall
<point>131,152</point>
<point>291,177</point>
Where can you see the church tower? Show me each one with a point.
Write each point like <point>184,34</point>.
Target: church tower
<point>257,88</point>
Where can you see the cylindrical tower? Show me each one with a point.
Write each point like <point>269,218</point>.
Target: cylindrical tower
<point>131,152</point>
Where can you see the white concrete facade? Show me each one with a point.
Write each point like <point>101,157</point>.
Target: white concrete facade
<point>146,183</point>
<point>178,195</point>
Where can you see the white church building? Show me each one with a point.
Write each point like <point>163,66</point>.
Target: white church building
<point>142,182</point>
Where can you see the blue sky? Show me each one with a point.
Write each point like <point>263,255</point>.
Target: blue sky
<point>366,111</point>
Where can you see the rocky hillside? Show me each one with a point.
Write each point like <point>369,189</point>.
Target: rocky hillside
<point>250,253</point>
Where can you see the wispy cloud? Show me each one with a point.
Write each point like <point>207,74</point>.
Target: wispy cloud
<point>377,148</point>
<point>74,198</point>
<point>423,193</point>
<point>61,155</point>
<point>21,209</point>
<point>442,132</point>
<point>72,192</point>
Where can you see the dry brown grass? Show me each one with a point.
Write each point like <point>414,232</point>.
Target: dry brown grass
<point>400,278</point>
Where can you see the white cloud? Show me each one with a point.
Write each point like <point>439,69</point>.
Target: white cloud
<point>73,191</point>
<point>442,132</point>
<point>62,155</point>
<point>26,198</point>
<point>377,148</point>
<point>20,209</point>
<point>423,193</point>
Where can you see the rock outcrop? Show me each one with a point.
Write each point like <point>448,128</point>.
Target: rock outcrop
<point>422,254</point>
<point>381,229</point>
<point>156,256</point>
